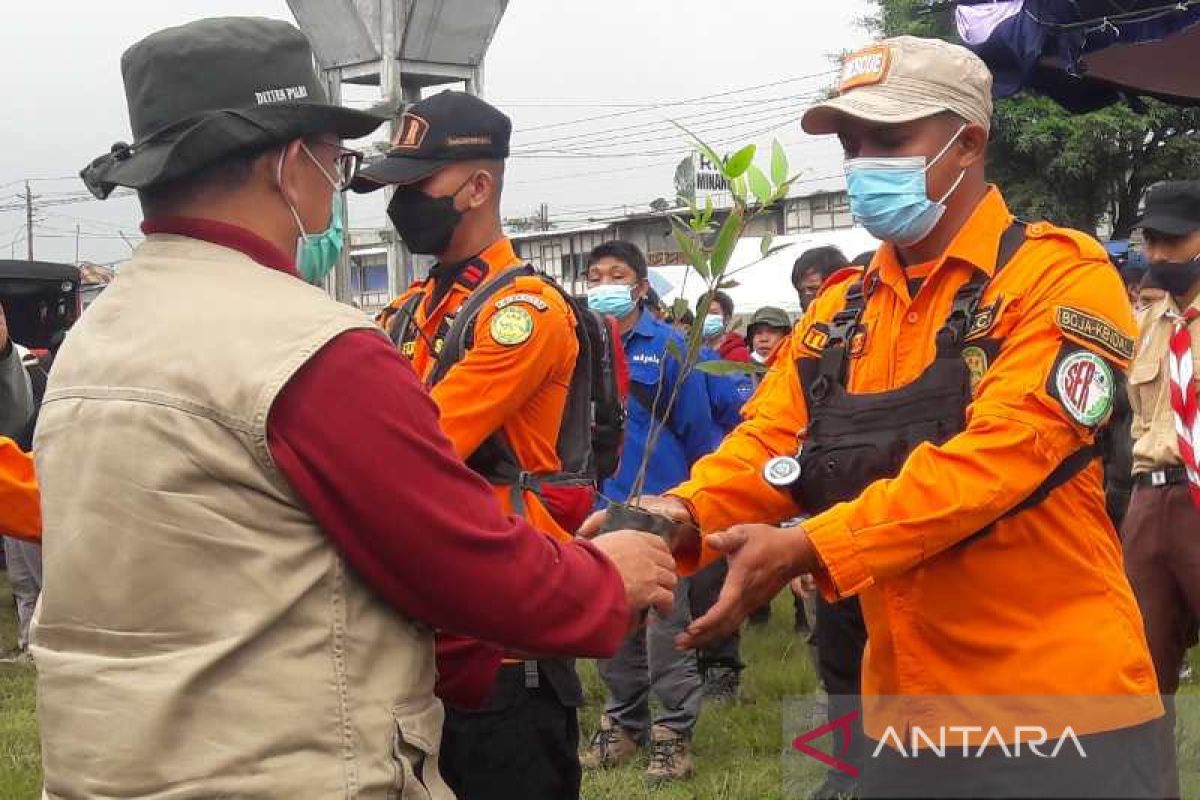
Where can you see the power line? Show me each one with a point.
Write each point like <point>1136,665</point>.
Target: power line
<point>640,129</point>
<point>672,103</point>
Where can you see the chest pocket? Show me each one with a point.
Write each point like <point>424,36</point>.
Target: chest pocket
<point>1144,384</point>
<point>644,378</point>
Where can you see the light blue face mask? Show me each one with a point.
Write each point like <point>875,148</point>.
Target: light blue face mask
<point>318,253</point>
<point>713,325</point>
<point>615,299</point>
<point>889,196</point>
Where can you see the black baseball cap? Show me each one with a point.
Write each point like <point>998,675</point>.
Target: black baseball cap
<point>1173,208</point>
<point>202,92</point>
<point>435,133</point>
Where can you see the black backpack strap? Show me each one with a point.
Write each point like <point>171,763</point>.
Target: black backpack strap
<point>967,299</point>
<point>835,356</point>
<point>462,333</point>
<point>403,324</point>
<point>1071,466</point>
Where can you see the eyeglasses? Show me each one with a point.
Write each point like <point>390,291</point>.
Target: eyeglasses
<point>346,166</point>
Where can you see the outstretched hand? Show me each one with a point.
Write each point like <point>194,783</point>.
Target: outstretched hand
<point>762,560</point>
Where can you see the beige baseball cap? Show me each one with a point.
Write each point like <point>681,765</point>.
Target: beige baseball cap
<point>904,79</point>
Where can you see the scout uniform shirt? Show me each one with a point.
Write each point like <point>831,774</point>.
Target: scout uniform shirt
<point>1037,603</point>
<point>1155,443</point>
<point>513,379</point>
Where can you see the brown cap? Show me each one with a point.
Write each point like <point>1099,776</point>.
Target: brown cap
<point>904,79</point>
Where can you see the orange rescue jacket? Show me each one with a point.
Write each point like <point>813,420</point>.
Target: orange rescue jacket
<point>1037,605</point>
<point>20,505</point>
<point>513,379</point>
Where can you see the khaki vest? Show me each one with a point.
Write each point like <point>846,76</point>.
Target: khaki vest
<point>199,636</point>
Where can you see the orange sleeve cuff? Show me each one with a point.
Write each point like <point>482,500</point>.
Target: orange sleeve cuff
<point>844,572</point>
<point>696,555</point>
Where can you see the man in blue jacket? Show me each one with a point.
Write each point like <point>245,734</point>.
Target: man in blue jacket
<point>648,661</point>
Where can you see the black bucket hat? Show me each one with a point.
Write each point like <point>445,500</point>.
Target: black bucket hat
<point>209,89</point>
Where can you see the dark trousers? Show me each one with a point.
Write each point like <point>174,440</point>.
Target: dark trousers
<point>523,746</point>
<point>1162,560</point>
<point>705,588</point>
<point>1124,763</point>
<point>841,637</point>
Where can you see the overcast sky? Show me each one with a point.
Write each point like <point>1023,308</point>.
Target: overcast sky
<point>552,66</point>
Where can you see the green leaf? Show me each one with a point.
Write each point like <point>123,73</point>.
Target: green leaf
<point>739,162</point>
<point>673,347</point>
<point>765,246</point>
<point>779,248</point>
<point>694,252</point>
<point>759,185</point>
<point>708,210</point>
<point>680,307</point>
<point>731,368</point>
<point>779,163</point>
<point>730,284</point>
<point>731,230</point>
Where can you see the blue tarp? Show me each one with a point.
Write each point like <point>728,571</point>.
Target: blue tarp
<point>1056,47</point>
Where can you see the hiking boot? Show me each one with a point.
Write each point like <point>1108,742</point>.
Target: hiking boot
<point>722,684</point>
<point>670,757</point>
<point>611,746</point>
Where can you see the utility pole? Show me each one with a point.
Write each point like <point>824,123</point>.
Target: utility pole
<point>29,220</point>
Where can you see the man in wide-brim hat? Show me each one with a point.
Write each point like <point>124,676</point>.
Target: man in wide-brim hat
<point>263,478</point>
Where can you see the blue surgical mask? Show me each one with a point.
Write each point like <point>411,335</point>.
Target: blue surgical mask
<point>318,253</point>
<point>615,299</point>
<point>713,325</point>
<point>889,196</point>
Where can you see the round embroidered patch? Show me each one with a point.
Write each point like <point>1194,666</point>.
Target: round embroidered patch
<point>1085,387</point>
<point>512,325</point>
<point>977,364</point>
<point>782,471</point>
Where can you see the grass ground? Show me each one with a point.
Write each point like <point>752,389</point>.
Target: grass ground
<point>737,748</point>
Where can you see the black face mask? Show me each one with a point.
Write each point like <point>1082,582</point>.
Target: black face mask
<point>425,224</point>
<point>1176,278</point>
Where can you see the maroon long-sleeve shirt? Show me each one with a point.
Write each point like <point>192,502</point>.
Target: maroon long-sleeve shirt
<point>357,437</point>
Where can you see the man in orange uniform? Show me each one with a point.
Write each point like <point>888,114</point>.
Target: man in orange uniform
<point>947,401</point>
<point>20,511</point>
<point>512,379</point>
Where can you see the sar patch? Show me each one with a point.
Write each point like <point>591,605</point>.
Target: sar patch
<point>523,297</point>
<point>1084,384</point>
<point>1073,322</point>
<point>511,326</point>
<point>816,337</point>
<point>977,363</point>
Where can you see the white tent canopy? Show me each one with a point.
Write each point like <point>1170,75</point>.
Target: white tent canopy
<point>764,281</point>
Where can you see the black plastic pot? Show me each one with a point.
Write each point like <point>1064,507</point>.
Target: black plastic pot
<point>622,517</point>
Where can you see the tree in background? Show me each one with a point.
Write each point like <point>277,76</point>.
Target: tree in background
<point>1072,169</point>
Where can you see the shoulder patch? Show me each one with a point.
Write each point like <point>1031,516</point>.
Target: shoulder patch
<point>1094,330</point>
<point>511,326</point>
<point>1084,383</point>
<point>816,337</point>
<point>985,319</point>
<point>523,297</point>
